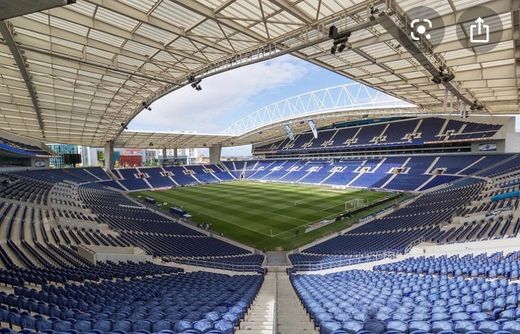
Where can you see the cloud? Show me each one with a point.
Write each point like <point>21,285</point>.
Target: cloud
<point>224,98</point>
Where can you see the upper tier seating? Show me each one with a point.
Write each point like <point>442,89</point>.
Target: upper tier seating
<point>482,265</point>
<point>379,302</point>
<point>78,175</point>
<point>396,133</point>
<point>414,173</point>
<point>131,181</point>
<point>16,147</point>
<point>157,178</point>
<point>181,175</point>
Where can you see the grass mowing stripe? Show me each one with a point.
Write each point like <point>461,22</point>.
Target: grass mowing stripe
<point>263,215</point>
<point>232,210</point>
<point>212,214</point>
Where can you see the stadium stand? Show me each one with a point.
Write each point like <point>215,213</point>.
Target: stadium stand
<point>16,147</point>
<point>401,173</point>
<point>418,221</point>
<point>400,133</point>
<point>73,294</point>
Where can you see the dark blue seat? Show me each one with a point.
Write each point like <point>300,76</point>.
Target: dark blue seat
<point>103,325</point>
<point>123,325</point>
<point>62,326</point>
<point>161,325</point>
<point>82,325</point>
<point>28,321</point>
<point>142,325</point>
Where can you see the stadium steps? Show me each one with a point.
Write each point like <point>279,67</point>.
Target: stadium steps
<point>260,318</point>
<point>291,316</point>
<point>11,255</point>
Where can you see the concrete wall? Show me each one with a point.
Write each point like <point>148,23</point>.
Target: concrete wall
<point>507,139</point>
<point>95,254</point>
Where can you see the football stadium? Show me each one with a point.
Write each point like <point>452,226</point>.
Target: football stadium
<point>379,190</point>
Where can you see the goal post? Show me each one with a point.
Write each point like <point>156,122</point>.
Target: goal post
<point>354,204</point>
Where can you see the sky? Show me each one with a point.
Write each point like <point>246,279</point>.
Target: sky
<point>227,97</point>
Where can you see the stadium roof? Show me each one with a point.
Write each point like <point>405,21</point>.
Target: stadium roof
<point>80,73</point>
<point>171,139</point>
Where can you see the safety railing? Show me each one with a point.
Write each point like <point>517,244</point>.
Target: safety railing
<point>413,244</point>
<point>343,262</point>
<point>214,264</point>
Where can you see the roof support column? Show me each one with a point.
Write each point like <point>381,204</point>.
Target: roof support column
<point>164,156</point>
<point>214,153</point>
<point>109,155</point>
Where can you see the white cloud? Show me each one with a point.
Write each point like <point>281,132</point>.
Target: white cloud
<point>224,98</point>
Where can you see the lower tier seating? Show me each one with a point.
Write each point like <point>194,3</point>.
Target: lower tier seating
<point>482,265</point>
<point>200,301</point>
<point>378,302</point>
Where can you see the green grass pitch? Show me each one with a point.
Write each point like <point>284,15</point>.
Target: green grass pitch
<point>267,216</point>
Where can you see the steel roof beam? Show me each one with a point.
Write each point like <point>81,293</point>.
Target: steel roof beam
<point>293,10</point>
<point>86,21</point>
<point>7,34</point>
<point>208,13</point>
<point>430,64</point>
<point>138,15</point>
<point>12,9</point>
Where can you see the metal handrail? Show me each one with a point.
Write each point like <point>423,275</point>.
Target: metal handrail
<point>413,244</point>
<point>219,265</point>
<point>275,320</point>
<point>319,265</point>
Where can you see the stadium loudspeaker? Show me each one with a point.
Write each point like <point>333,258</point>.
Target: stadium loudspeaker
<point>288,131</point>
<point>312,126</point>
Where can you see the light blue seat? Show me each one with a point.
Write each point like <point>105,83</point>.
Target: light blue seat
<point>202,325</point>
<point>441,326</point>
<point>512,326</point>
<point>419,326</point>
<point>329,326</point>
<point>225,326</point>
<point>352,326</point>
<point>396,325</point>
<point>464,326</point>
<point>488,327</point>
<point>182,325</point>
